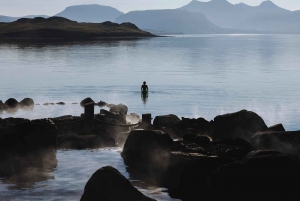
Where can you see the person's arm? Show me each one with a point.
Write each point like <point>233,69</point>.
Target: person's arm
<point>147,87</point>
<point>142,88</point>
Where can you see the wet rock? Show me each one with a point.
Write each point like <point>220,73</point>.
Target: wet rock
<point>108,183</point>
<point>148,149</point>
<point>12,103</point>
<point>109,116</point>
<point>27,102</point>
<point>2,106</point>
<point>265,173</point>
<point>196,139</point>
<point>277,127</point>
<point>119,109</point>
<point>283,141</point>
<point>243,124</point>
<point>84,141</point>
<point>60,103</point>
<point>85,101</point>
<point>101,104</point>
<point>169,121</point>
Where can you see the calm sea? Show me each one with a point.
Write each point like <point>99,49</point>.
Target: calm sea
<point>190,76</point>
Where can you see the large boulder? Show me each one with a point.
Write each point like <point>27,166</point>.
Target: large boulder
<point>263,175</point>
<point>283,141</point>
<point>169,121</point>
<point>107,183</point>
<point>243,124</point>
<point>12,103</point>
<point>86,101</point>
<point>146,148</point>
<point>119,109</point>
<point>27,102</point>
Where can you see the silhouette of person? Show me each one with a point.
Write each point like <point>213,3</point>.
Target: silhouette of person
<point>144,89</point>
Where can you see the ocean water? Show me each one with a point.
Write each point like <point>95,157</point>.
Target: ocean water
<point>188,75</point>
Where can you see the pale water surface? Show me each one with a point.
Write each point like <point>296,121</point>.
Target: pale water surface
<point>190,76</point>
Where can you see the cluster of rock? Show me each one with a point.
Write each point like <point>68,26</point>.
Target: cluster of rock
<point>235,156</point>
<point>13,104</point>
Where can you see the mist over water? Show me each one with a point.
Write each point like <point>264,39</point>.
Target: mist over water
<point>191,76</point>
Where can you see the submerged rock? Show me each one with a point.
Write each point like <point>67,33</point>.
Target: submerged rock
<point>107,183</point>
<point>243,124</point>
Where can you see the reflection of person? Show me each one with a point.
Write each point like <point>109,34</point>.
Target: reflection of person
<point>144,89</point>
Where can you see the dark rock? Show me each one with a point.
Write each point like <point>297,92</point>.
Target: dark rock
<point>108,183</point>
<point>84,141</point>
<point>166,121</point>
<point>85,101</point>
<point>148,149</point>
<point>277,127</point>
<point>110,116</point>
<point>26,137</point>
<point>243,124</point>
<point>120,109</point>
<point>266,174</point>
<point>12,103</point>
<point>27,102</point>
<point>196,139</point>
<point>101,104</point>
<point>283,141</point>
<point>60,103</point>
<point>2,105</point>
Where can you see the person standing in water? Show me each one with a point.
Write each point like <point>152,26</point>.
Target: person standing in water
<point>144,89</point>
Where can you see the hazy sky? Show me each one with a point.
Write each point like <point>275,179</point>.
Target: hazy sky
<point>26,7</point>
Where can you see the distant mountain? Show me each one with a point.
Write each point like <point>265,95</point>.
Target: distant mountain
<point>12,19</point>
<point>170,21</point>
<point>90,13</point>
<point>266,17</point>
<point>7,18</point>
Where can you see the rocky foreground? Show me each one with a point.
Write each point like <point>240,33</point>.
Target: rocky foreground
<point>235,156</point>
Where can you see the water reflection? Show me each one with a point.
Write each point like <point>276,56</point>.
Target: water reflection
<point>24,172</point>
<point>144,97</point>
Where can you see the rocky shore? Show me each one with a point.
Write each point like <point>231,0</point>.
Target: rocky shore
<point>235,156</point>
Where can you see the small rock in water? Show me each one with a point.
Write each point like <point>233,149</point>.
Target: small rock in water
<point>11,103</point>
<point>26,102</point>
<point>60,103</point>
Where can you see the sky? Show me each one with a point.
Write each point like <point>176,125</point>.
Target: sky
<point>18,8</point>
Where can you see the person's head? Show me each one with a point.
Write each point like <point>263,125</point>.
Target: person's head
<point>144,82</point>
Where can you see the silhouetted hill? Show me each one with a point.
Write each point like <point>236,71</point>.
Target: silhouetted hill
<point>62,28</point>
<point>266,17</point>
<point>170,21</point>
<point>90,13</point>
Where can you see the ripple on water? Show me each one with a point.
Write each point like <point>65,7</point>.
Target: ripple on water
<point>67,181</point>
